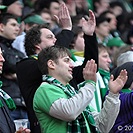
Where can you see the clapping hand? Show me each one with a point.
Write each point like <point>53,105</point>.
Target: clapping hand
<point>89,72</point>
<point>116,85</point>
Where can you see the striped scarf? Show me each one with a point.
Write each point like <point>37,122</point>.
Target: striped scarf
<point>8,100</point>
<point>105,77</point>
<point>79,124</point>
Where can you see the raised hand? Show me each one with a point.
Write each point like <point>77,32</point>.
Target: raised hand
<point>89,24</point>
<point>63,17</point>
<point>116,85</point>
<point>89,72</point>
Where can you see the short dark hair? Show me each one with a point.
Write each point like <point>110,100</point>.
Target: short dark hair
<point>4,18</point>
<point>33,38</point>
<point>101,19</point>
<point>51,53</point>
<point>106,12</point>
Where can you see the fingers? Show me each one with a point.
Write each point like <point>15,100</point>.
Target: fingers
<point>123,75</point>
<point>90,65</point>
<point>23,130</point>
<point>56,18</point>
<point>117,84</point>
<point>63,10</point>
<point>64,17</point>
<point>92,16</point>
<point>89,72</point>
<point>111,78</point>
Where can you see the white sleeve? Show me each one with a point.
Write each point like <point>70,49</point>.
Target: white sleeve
<point>70,109</point>
<point>106,118</point>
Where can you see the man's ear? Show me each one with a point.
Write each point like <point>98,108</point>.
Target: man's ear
<point>51,64</point>
<point>1,27</point>
<point>38,47</point>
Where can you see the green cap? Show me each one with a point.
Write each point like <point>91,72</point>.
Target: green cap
<point>35,19</point>
<point>116,41</point>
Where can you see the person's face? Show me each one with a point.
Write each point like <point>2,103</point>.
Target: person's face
<point>104,60</point>
<point>104,3</point>
<point>46,17</point>
<point>79,42</point>
<point>117,10</point>
<point>63,69</point>
<point>113,21</point>
<point>47,38</point>
<point>1,61</point>
<point>54,8</point>
<point>15,8</point>
<point>10,30</point>
<point>102,6</point>
<point>103,29</point>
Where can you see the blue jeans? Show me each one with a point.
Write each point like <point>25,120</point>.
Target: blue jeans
<point>19,113</point>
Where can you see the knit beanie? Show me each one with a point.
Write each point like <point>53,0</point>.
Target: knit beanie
<point>8,2</point>
<point>129,67</point>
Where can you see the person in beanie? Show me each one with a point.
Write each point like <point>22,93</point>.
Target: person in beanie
<point>124,121</point>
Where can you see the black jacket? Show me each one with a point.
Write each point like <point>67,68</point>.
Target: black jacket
<point>11,56</point>
<point>6,122</point>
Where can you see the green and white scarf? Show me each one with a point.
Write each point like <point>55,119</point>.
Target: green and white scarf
<point>8,100</point>
<point>105,76</point>
<point>79,124</point>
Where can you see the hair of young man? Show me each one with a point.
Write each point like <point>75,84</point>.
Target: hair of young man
<point>33,38</point>
<point>101,19</point>
<point>51,53</point>
<point>4,18</point>
<point>101,48</point>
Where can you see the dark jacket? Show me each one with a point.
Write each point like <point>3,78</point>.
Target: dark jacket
<point>11,56</point>
<point>6,122</point>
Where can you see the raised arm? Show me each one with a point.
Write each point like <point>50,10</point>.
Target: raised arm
<point>91,46</point>
<point>66,36</point>
<point>106,119</point>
